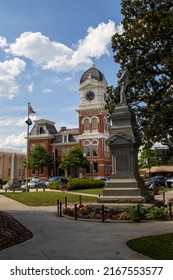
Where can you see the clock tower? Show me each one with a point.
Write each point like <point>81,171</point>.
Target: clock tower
<point>93,123</point>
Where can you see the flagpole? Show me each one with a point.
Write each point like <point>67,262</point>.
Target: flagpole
<point>27,153</point>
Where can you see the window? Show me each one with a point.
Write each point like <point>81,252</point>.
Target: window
<point>94,124</point>
<point>86,124</point>
<point>87,148</point>
<point>42,170</point>
<point>95,148</point>
<point>42,130</point>
<point>65,138</point>
<point>95,167</point>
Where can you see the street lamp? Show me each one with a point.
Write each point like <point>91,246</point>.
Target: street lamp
<point>91,168</point>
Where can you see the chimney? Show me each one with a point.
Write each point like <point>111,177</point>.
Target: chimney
<point>63,128</point>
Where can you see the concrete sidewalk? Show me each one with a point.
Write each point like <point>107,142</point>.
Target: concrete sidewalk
<point>59,238</point>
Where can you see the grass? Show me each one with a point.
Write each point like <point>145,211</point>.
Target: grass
<point>46,198</point>
<point>90,191</point>
<point>158,247</point>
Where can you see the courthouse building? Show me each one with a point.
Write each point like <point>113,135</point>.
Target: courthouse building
<point>6,161</point>
<point>91,134</point>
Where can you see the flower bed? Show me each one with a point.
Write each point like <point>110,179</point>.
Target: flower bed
<point>135,214</point>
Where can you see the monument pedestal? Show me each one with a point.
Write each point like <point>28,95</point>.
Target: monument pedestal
<point>125,185</point>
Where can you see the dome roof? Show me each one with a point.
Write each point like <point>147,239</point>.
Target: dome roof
<point>94,73</point>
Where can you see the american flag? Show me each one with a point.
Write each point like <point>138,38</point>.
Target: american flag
<point>30,110</point>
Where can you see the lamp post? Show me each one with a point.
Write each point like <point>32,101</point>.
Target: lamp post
<point>91,168</point>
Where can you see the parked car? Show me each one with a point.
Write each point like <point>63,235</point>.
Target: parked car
<point>36,183</point>
<point>1,183</point>
<point>55,179</point>
<point>160,179</point>
<point>105,179</point>
<point>169,183</point>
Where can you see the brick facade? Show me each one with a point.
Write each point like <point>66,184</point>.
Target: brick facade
<point>91,134</point>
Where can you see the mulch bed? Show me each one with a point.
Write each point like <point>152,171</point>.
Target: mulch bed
<point>11,231</point>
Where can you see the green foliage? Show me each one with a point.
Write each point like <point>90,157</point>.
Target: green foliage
<point>39,158</point>
<point>148,158</point>
<point>158,213</point>
<point>54,186</point>
<point>136,213</point>
<point>146,47</point>
<point>77,184</point>
<point>73,159</point>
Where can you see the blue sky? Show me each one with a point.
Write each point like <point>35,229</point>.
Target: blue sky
<point>45,47</point>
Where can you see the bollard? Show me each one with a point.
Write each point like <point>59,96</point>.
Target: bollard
<point>65,202</point>
<point>103,214</point>
<point>164,197</point>
<point>60,209</point>
<point>36,189</point>
<point>138,208</point>
<point>80,200</point>
<point>57,206</point>
<point>44,188</point>
<point>75,211</point>
<point>170,210</point>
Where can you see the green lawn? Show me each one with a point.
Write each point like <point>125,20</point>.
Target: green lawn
<point>46,198</point>
<point>158,247</point>
<point>90,191</point>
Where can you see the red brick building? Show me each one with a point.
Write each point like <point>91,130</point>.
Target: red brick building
<point>91,134</point>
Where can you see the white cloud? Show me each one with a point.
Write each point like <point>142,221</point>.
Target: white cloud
<point>30,87</point>
<point>3,42</point>
<point>47,90</point>
<point>5,122</point>
<point>58,57</point>
<point>14,141</point>
<point>9,71</point>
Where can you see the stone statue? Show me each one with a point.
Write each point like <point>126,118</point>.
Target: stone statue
<point>124,79</point>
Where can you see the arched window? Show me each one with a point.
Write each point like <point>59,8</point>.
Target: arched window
<point>95,148</point>
<point>42,130</point>
<point>86,124</point>
<point>87,148</point>
<point>94,124</point>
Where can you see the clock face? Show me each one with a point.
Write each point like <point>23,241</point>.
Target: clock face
<point>90,96</point>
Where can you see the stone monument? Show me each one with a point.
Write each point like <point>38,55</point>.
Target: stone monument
<point>125,185</point>
<point>14,182</point>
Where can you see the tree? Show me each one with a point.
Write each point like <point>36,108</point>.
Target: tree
<point>146,48</point>
<point>39,158</point>
<point>148,158</point>
<point>73,159</point>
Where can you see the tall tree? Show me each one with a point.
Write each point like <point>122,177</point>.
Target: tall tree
<point>146,48</point>
<point>73,159</point>
<point>39,158</point>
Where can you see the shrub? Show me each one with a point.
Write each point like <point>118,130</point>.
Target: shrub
<point>158,213</point>
<point>78,184</point>
<point>136,213</point>
<point>53,186</point>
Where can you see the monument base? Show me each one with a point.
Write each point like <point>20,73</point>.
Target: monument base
<point>125,191</point>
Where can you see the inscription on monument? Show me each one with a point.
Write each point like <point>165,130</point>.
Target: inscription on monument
<point>122,163</point>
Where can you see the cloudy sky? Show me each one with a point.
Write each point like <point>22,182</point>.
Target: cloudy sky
<point>45,47</point>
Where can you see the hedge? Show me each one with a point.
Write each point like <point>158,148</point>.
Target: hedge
<point>79,184</point>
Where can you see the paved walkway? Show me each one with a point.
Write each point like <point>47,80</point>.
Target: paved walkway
<point>59,238</point>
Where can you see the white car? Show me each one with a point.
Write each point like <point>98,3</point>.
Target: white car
<point>169,183</point>
<point>36,183</point>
